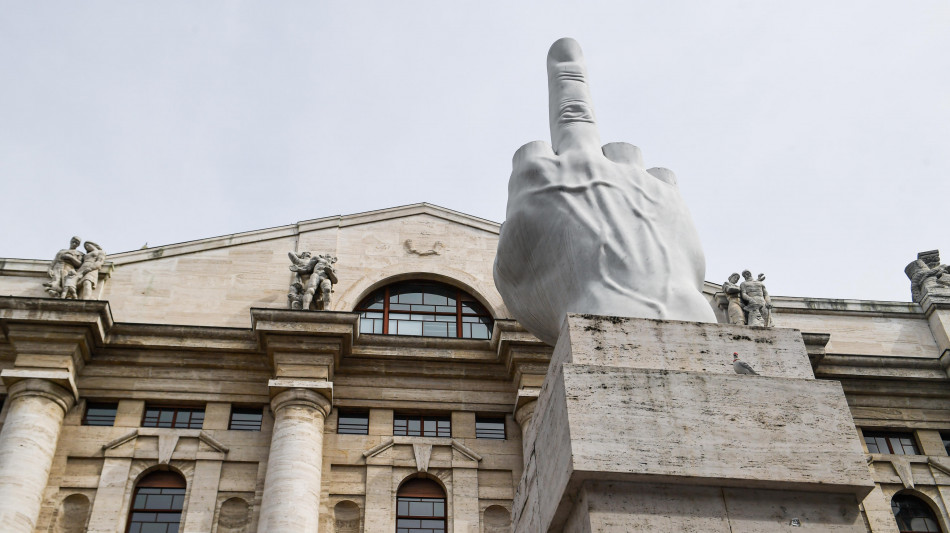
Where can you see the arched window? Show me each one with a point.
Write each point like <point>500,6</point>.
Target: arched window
<point>420,507</point>
<point>425,308</point>
<point>157,503</point>
<point>913,515</point>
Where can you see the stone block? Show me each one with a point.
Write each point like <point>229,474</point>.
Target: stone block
<point>642,402</point>
<point>683,346</point>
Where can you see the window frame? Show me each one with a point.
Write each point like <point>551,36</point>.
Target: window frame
<point>176,409</point>
<point>887,436</point>
<point>422,420</point>
<point>923,505</point>
<point>491,434</point>
<point>245,410</point>
<point>430,492</point>
<point>160,480</point>
<point>99,405</point>
<point>344,413</point>
<point>461,298</point>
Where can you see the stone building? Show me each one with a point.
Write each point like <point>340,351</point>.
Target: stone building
<point>192,396</point>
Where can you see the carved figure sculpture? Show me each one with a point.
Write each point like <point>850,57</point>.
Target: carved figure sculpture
<point>928,276</point>
<point>64,264</point>
<point>322,277</point>
<point>755,298</point>
<point>588,228</point>
<point>68,282</point>
<point>734,300</point>
<point>88,273</point>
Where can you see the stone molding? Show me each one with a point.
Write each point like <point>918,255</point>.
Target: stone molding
<point>301,397</point>
<point>524,408</point>
<point>167,444</point>
<point>42,388</point>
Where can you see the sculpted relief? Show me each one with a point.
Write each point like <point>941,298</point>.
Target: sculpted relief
<point>746,303</point>
<point>73,274</point>
<point>314,277</point>
<point>928,277</point>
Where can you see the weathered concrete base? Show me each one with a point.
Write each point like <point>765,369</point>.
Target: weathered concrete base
<point>642,425</point>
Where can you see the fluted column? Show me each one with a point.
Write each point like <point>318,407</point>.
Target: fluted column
<point>291,500</point>
<point>27,444</point>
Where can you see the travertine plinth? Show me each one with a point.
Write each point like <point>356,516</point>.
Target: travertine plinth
<point>643,425</point>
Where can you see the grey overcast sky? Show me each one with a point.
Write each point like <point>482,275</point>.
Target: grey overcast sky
<point>810,138</point>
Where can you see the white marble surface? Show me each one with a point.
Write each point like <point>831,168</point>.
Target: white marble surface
<point>588,228</point>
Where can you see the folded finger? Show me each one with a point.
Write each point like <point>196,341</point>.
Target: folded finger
<point>624,153</point>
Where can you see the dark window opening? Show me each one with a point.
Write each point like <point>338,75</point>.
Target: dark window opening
<point>173,417</point>
<point>422,426</point>
<point>890,442</point>
<point>913,515</point>
<point>420,507</point>
<point>424,308</point>
<point>99,414</point>
<point>945,435</point>
<point>157,504</point>
<point>246,418</point>
<point>489,428</point>
<point>349,423</point>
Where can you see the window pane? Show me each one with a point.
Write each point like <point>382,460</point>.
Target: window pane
<point>490,428</point>
<point>413,304</point>
<point>246,419</point>
<point>100,414</point>
<point>354,423</point>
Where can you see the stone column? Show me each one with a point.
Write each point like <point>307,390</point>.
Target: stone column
<point>291,500</point>
<point>27,444</point>
<point>523,416</point>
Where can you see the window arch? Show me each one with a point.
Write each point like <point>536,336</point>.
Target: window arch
<point>157,503</point>
<point>420,507</point>
<point>913,515</point>
<point>424,308</point>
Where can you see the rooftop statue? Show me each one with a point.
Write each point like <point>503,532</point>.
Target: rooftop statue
<point>74,274</point>
<point>928,276</point>
<point>588,228</point>
<point>312,293</point>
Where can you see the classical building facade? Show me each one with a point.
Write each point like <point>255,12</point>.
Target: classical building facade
<point>200,392</point>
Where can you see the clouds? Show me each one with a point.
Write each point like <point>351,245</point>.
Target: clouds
<point>803,135</point>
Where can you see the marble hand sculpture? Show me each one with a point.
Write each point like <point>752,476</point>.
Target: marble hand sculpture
<point>588,228</point>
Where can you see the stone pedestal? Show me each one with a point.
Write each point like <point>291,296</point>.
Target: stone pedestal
<point>643,425</point>
<point>27,444</point>
<point>291,500</point>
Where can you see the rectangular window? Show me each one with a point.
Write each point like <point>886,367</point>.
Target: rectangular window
<point>99,414</point>
<point>890,442</point>
<point>173,417</point>
<point>246,418</point>
<point>489,428</point>
<point>945,435</point>
<point>422,426</point>
<point>349,423</point>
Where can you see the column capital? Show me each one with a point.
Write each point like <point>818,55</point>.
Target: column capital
<point>42,388</point>
<point>301,397</point>
<point>524,413</point>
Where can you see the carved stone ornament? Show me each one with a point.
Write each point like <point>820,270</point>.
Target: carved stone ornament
<point>436,249</point>
<point>74,274</point>
<point>314,278</point>
<point>928,277</point>
<point>747,303</point>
